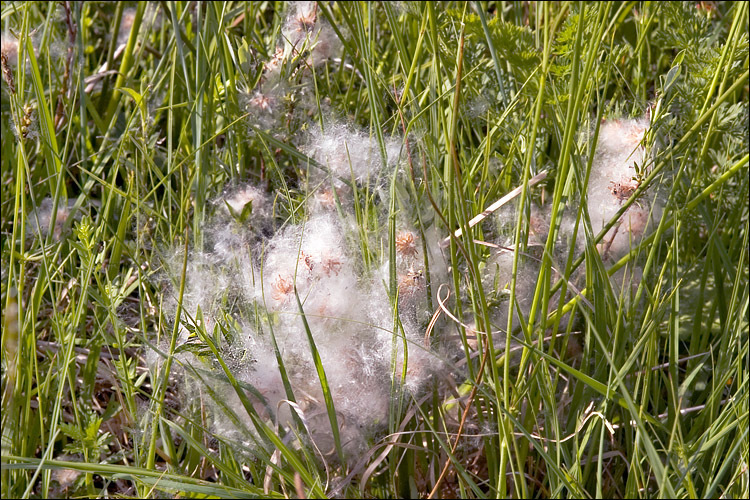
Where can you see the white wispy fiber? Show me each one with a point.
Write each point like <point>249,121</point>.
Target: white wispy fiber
<point>348,154</point>
<point>621,156</point>
<point>284,94</point>
<point>38,221</point>
<point>265,106</point>
<point>304,31</point>
<point>235,201</point>
<point>348,313</point>
<point>9,48</point>
<point>621,160</point>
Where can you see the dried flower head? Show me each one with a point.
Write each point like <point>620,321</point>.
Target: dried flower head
<point>304,34</point>
<point>65,477</point>
<point>7,73</point>
<point>305,19</point>
<point>331,265</point>
<point>406,244</point>
<point>281,289</point>
<point>618,168</point>
<point>8,59</point>
<point>306,261</point>
<point>275,62</point>
<point>262,102</point>
<point>301,24</point>
<point>27,125</point>
<point>622,190</point>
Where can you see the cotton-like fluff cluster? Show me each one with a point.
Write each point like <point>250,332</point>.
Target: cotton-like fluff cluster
<point>9,49</point>
<point>347,156</point>
<point>247,204</point>
<point>309,269</point>
<point>266,106</point>
<point>352,332</point>
<point>320,263</point>
<point>267,286</point>
<point>11,46</point>
<point>225,268</point>
<point>272,104</point>
<point>620,161</point>
<point>415,302</point>
<point>204,287</point>
<point>304,31</point>
<point>39,220</point>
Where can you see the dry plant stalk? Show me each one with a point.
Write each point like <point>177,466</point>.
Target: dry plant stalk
<point>495,206</point>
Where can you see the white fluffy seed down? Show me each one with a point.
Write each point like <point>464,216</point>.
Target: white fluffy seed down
<point>304,31</point>
<point>39,219</point>
<point>621,161</point>
<point>348,154</point>
<point>349,316</point>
